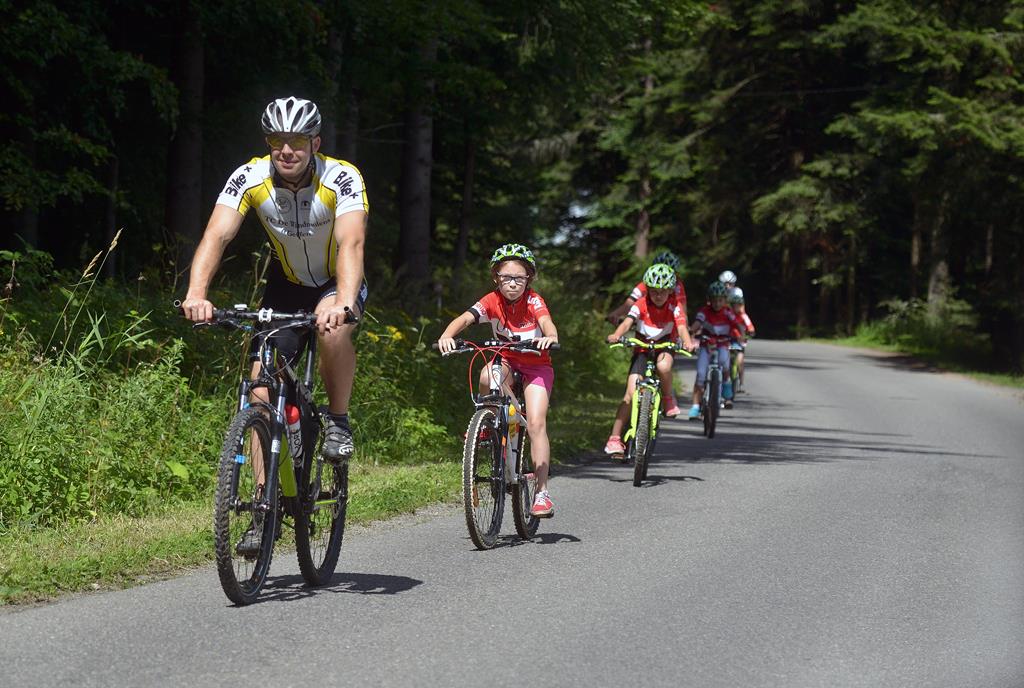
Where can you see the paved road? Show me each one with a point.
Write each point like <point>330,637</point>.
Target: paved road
<point>855,523</point>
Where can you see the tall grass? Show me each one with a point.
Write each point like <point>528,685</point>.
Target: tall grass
<point>113,405</point>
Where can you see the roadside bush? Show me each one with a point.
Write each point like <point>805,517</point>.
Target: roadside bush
<point>948,332</point>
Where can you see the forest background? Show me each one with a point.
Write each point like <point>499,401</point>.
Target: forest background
<point>858,164</point>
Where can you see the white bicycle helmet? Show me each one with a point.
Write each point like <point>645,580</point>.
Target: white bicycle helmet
<point>292,116</point>
<point>727,276</point>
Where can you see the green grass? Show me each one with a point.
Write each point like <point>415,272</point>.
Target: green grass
<point>930,358</point>
<point>118,551</point>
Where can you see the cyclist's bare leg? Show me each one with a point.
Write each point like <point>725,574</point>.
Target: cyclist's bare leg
<point>486,382</point>
<point>260,394</point>
<point>622,414</point>
<point>739,366</point>
<point>537,427</point>
<point>338,366</point>
<point>664,366</point>
<point>698,394</point>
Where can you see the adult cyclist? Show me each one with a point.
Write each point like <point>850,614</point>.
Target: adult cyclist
<point>314,210</point>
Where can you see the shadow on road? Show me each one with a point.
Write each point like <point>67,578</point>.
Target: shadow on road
<point>293,587</point>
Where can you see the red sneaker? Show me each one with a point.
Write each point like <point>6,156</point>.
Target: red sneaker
<point>671,408</point>
<point>542,506</point>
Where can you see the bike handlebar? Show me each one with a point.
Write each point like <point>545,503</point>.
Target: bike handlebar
<point>232,317</point>
<point>463,346</point>
<point>650,346</point>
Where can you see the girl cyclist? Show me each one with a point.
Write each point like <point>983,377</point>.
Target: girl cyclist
<point>518,313</point>
<point>666,258</point>
<point>657,315</point>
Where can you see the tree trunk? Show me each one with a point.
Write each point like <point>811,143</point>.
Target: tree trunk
<point>466,213</point>
<point>938,274</point>
<point>851,287</point>
<point>347,147</point>
<point>642,233</point>
<point>414,185</point>
<point>184,175</point>
<point>915,247</point>
<point>28,217</point>
<point>803,289</point>
<point>329,104</point>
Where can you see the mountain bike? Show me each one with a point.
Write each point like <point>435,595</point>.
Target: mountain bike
<point>261,486</point>
<point>495,458</point>
<point>711,401</point>
<point>645,406</point>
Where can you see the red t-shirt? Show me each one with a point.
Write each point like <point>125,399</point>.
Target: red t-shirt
<point>654,323</point>
<point>720,324</point>
<point>640,291</point>
<point>514,322</point>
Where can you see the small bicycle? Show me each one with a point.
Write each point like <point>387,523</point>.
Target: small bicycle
<point>711,401</point>
<point>646,406</point>
<point>304,487</point>
<point>495,458</point>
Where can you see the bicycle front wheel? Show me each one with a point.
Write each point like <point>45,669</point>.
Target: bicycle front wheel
<point>643,434</point>
<point>524,491</point>
<point>714,402</point>
<point>320,521</point>
<point>243,532</point>
<point>483,488</point>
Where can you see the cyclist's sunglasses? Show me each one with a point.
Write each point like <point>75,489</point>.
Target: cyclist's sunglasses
<point>294,141</point>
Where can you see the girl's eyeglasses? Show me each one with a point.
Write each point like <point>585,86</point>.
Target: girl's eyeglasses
<point>294,141</point>
<point>513,279</point>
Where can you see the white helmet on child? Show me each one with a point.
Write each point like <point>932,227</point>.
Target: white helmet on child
<point>727,277</point>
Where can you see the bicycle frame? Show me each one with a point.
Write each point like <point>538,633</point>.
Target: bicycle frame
<point>649,379</point>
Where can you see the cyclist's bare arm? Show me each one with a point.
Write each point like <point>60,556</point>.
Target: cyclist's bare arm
<point>220,230</point>
<point>623,308</point>
<point>350,233</point>
<point>621,330</point>
<point>446,342</point>
<point>547,328</point>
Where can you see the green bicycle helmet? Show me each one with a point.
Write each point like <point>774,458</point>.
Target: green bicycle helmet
<point>660,276</point>
<point>514,252</point>
<point>668,258</point>
<point>716,288</point>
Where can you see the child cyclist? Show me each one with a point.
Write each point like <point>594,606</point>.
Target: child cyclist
<point>719,322</point>
<point>667,258</point>
<point>739,344</point>
<point>657,316</point>
<point>518,313</point>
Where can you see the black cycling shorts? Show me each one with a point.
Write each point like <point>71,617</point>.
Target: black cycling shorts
<point>639,363</point>
<point>283,295</point>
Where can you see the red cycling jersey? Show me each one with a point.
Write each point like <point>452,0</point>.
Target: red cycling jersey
<point>657,322</point>
<point>640,291</point>
<point>720,324</point>
<point>516,321</point>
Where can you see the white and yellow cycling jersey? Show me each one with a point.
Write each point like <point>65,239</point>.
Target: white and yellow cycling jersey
<point>300,224</point>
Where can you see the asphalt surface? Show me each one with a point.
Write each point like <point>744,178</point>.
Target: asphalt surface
<point>856,522</point>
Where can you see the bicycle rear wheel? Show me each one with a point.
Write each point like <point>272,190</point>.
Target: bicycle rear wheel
<point>320,521</point>
<point>643,434</point>
<point>243,535</point>
<point>714,402</point>
<point>524,491</point>
<point>483,489</point>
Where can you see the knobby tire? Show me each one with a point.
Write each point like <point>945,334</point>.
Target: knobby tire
<point>714,401</point>
<point>242,576</point>
<point>483,489</point>
<point>643,435</point>
<point>524,491</point>
<point>320,521</point>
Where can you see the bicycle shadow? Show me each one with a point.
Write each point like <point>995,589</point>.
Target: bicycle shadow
<point>293,587</point>
<point>541,538</point>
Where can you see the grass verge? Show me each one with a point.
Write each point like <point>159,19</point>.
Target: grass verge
<point>118,551</point>
<point>1002,379</point>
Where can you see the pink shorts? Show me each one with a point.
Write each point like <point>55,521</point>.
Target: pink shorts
<point>543,375</point>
